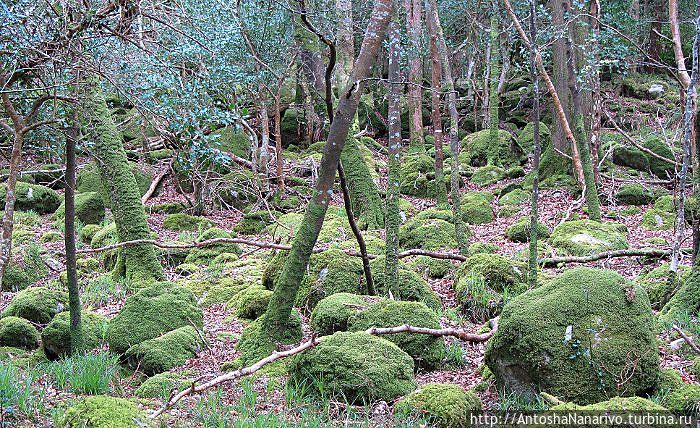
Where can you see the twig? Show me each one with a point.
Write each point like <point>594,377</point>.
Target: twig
<point>635,252</point>
<point>689,340</point>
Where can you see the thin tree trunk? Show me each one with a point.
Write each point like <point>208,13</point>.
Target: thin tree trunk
<point>282,301</point>
<point>279,160</point>
<point>494,75</point>
<point>454,137</point>
<point>596,97</point>
<point>393,193</point>
<point>435,116</point>
<point>76,332</point>
<point>415,75</point>
<point>683,75</point>
<point>263,172</point>
<point>534,212</point>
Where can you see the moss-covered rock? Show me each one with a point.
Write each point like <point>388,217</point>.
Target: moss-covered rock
<point>55,338</point>
<point>163,353</point>
<point>411,286</point>
<point>238,189</point>
<point>333,312</point>
<point>427,351</point>
<point>572,336</point>
<point>520,231</point>
<point>51,236</point>
<point>684,400</point>
<point>431,229</point>
<point>251,302</point>
<point>585,237</point>
<point>160,385</point>
<point>257,343</point>
<point>432,267</point>
<point>488,174</point>
<point>479,150</point>
<point>89,208</point>
<point>182,222</point>
<point>166,208</point>
<point>526,137</point>
<point>446,405</point>
<point>634,194</point>
<point>657,283</point>
<point>16,277</point>
<point>88,232</point>
<point>152,311</point>
<point>476,208</point>
<point>19,333</point>
<point>33,197</point>
<point>418,176</point>
<point>656,219</point>
<point>669,381</point>
<point>483,248</point>
<point>206,255</point>
<point>37,304</point>
<point>255,222</point>
<point>498,272</point>
<point>101,411</point>
<point>357,366</point>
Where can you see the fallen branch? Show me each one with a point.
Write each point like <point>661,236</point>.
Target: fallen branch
<point>636,144</point>
<point>375,331</point>
<point>640,252</point>
<point>156,181</point>
<point>689,340</point>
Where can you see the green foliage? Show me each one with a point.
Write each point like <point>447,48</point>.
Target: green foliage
<point>584,237</point>
<point>84,373</point>
<point>447,405</point>
<point>102,411</point>
<point>56,339</point>
<point>37,304</point>
<point>479,301</point>
<point>166,352</point>
<point>33,197</point>
<point>18,399</point>
<point>356,366</point>
<point>18,333</point>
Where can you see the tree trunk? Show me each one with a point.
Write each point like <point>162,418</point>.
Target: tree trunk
<point>594,79</point>
<point>264,152</point>
<point>559,79</point>
<point>139,263</point>
<point>76,332</point>
<point>534,212</point>
<point>415,75</point>
<point>495,73</point>
<point>655,11</point>
<point>435,116</point>
<point>393,192</point>
<point>677,44</point>
<point>280,306</point>
<point>279,160</point>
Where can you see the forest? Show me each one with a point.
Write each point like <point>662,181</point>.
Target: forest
<point>371,213</point>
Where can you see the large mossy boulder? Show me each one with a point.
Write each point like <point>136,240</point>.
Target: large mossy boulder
<point>206,255</point>
<point>634,194</point>
<point>521,229</point>
<point>411,287</point>
<point>476,208</point>
<point>151,312</point>
<point>89,208</point>
<point>432,229</point>
<point>417,173</point>
<point>102,411</point>
<point>333,312</point>
<point>585,237</point>
<point>256,342</point>
<point>445,405</point>
<point>356,366</point>
<point>526,137</point>
<point>498,272</point>
<point>16,277</point>
<point>573,336</point>
<point>478,150</point>
<point>165,352</point>
<point>33,197</point>
<point>18,333</point>
<point>642,161</point>
<point>160,385</point>
<point>183,223</point>
<point>251,302</point>
<point>427,351</point>
<point>55,338</point>
<point>37,304</point>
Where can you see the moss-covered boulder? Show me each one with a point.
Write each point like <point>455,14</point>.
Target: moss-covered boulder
<point>585,237</point>
<point>160,385</point>
<point>427,351</point>
<point>357,366</point>
<point>152,311</point>
<point>479,150</point>
<point>206,255</point>
<point>19,333</point>
<point>684,400</point>
<point>251,302</point>
<point>634,194</point>
<point>256,341</point>
<point>16,277</point>
<point>616,405</point>
<point>333,312</point>
<point>37,304</point>
<point>657,283</point>
<point>446,405</point>
<point>88,232</point>
<point>102,411</point>
<point>637,159</point>
<point>498,272</point>
<point>476,208</point>
<point>431,229</point>
<point>255,222</point>
<point>89,208</point>
<point>163,353</point>
<point>572,336</point>
<point>411,286</point>
<point>520,231</point>
<point>487,175</point>
<point>33,197</point>
<point>656,219</point>
<point>432,267</point>
<point>526,137</point>
<point>55,338</point>
<point>182,222</point>
<point>418,176</point>
<point>238,189</point>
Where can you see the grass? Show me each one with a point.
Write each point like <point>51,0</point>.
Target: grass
<point>100,291</point>
<point>454,355</point>
<point>18,401</point>
<point>84,373</point>
<point>513,402</point>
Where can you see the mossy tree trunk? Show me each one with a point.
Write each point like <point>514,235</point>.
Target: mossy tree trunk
<point>76,331</point>
<point>435,116</point>
<point>279,309</point>
<point>454,131</point>
<point>393,192</point>
<point>415,75</point>
<point>534,211</point>
<point>138,263</point>
<point>494,73</point>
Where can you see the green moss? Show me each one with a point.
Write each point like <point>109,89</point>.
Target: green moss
<point>669,381</point>
<point>434,268</point>
<point>367,205</point>
<point>431,229</point>
<point>357,366</point>
<point>88,232</point>
<point>572,336</point>
<point>483,248</point>
<point>655,219</point>
<point>427,351</point>
<point>150,312</point>
<point>476,209</point>
<point>55,338</point>
<point>255,222</point>
<point>584,237</point>
<point>89,180</point>
<point>684,400</point>
<point>160,385</point>
<point>159,154</point>
<point>19,333</point>
<point>498,272</point>
<point>526,137</point>
<point>51,236</point>
<point>16,278</point>
<point>251,302</point>
<point>205,255</point>
<point>411,287</point>
<point>37,304</point>
<point>166,352</point>
<point>333,312</point>
<point>182,222</point>
<point>33,197</point>
<point>445,404</point>
<point>487,175</point>
<point>634,194</point>
<point>101,411</point>
<point>626,404</point>
<point>657,283</point>
<point>520,231</point>
<point>256,342</point>
<point>480,150</point>
<point>89,208</point>
<point>686,300</point>
<point>234,141</point>
<point>417,172</point>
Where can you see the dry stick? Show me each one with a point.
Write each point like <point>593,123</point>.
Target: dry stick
<point>578,166</point>
<point>689,340</point>
<point>641,252</point>
<point>156,181</point>
<point>376,331</point>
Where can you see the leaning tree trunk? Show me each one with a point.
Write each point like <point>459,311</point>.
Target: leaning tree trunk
<point>76,331</point>
<point>279,309</point>
<point>436,117</point>
<point>534,212</point>
<point>138,263</point>
<point>415,76</point>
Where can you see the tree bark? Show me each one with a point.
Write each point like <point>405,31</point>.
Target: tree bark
<point>76,332</point>
<point>435,116</point>
<point>683,75</point>
<point>415,75</point>
<point>534,212</point>
<point>494,73</point>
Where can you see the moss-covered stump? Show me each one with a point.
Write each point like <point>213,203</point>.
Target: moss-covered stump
<point>37,304</point>
<point>102,411</point>
<point>445,405</point>
<point>182,222</point>
<point>55,338</point>
<point>160,385</point>
<point>520,231</point>
<point>411,286</point>
<point>357,366</point>
<point>166,352</point>
<point>89,180</point>
<point>206,255</point>
<point>634,194</point>
<point>572,336</point>
<point>478,150</point>
<point>585,237</point>
<point>257,342</point>
<point>333,312</point>
<point>427,351</point>
<point>251,302</point>
<point>89,208</point>
<point>18,333</point>
<point>152,311</point>
<point>33,197</point>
